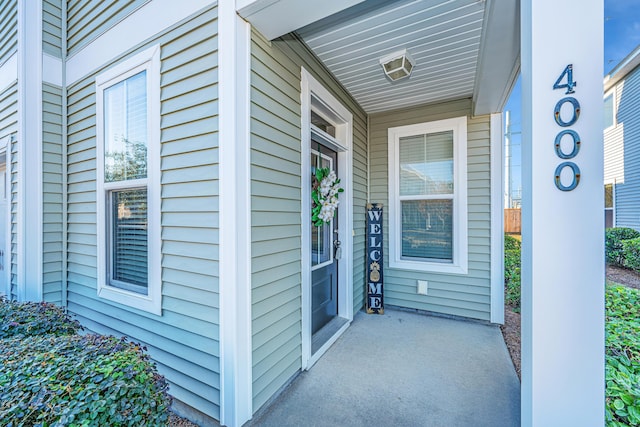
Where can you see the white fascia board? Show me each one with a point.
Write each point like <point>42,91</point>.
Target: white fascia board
<point>621,70</point>
<point>149,20</point>
<point>499,58</point>
<point>51,70</point>
<point>9,72</point>
<point>274,18</point>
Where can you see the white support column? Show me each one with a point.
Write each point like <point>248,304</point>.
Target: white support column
<point>562,231</point>
<point>234,42</point>
<point>29,150</point>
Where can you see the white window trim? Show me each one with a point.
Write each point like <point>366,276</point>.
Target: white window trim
<point>612,182</point>
<point>148,60</point>
<point>614,106</point>
<point>460,224</point>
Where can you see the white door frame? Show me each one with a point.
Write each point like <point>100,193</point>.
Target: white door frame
<point>314,95</point>
<point>5,147</point>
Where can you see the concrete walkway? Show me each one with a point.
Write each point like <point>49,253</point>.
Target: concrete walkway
<point>405,369</point>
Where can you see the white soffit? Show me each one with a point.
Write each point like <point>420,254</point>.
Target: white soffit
<point>499,61</point>
<point>443,37</point>
<point>274,18</point>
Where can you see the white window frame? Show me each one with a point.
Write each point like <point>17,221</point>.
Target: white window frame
<point>612,183</point>
<point>459,265</point>
<point>614,106</point>
<point>148,60</point>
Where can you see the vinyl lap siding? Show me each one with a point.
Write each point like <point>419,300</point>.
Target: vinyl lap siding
<point>52,27</point>
<point>9,126</point>
<point>86,20</point>
<point>184,340</point>
<point>462,295</point>
<point>8,29</point>
<point>52,193</point>
<point>276,206</point>
<point>627,154</point>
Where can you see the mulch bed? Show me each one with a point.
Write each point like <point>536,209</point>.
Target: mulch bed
<point>511,327</point>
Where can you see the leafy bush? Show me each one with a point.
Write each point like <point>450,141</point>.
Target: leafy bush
<point>79,381</point>
<point>511,243</point>
<point>613,249</point>
<point>512,256</point>
<point>28,319</point>
<point>631,253</point>
<point>622,356</point>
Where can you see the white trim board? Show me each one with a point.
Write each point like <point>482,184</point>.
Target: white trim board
<point>312,87</point>
<point>497,220</point>
<point>147,21</point>
<point>52,69</point>
<point>29,151</point>
<point>236,381</point>
<point>9,72</point>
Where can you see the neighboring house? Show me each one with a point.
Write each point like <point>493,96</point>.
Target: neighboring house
<point>622,143</point>
<point>158,159</point>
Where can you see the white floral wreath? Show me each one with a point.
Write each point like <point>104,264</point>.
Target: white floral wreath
<point>325,196</point>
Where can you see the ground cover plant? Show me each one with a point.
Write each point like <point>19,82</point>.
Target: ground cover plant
<point>51,376</point>
<point>622,356</point>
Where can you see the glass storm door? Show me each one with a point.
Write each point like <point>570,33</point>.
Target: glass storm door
<point>324,246</point>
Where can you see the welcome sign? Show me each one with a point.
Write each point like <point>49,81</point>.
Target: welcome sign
<point>375,295</point>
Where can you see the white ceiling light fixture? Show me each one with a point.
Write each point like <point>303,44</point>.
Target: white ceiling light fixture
<point>397,65</point>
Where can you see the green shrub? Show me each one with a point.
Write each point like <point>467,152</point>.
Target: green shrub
<point>511,243</point>
<point>512,277</point>
<point>631,253</point>
<point>622,356</point>
<point>78,381</point>
<point>28,319</point>
<point>512,255</point>
<point>614,252</point>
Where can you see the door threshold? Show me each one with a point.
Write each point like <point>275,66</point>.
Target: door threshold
<point>325,337</point>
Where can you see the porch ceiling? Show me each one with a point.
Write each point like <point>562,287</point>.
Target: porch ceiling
<point>446,39</point>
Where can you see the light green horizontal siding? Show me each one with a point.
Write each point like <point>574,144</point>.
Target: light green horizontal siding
<point>276,205</point>
<point>86,20</point>
<point>52,194</point>
<point>9,126</point>
<point>462,295</point>
<point>185,339</point>
<point>8,29</point>
<point>52,27</point>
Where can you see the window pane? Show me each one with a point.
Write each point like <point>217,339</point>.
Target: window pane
<point>427,229</point>
<point>608,111</point>
<point>608,195</point>
<point>426,164</point>
<point>128,249</point>
<point>125,129</point>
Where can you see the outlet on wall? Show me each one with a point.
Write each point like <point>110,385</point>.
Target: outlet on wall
<point>423,287</point>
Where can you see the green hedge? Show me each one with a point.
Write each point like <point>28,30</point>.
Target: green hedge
<point>622,356</point>
<point>613,246</point>
<point>512,262</point>
<point>631,253</point>
<point>51,376</point>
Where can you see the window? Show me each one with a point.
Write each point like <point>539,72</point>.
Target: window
<point>428,197</point>
<point>609,111</point>
<point>609,214</point>
<point>127,174</point>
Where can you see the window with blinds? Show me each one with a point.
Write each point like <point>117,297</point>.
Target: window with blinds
<point>128,181</point>
<point>428,196</point>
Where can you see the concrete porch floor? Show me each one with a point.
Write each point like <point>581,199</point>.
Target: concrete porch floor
<point>405,369</point>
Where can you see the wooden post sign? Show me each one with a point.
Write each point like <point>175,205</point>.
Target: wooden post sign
<point>375,296</point>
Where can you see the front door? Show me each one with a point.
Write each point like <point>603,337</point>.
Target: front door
<point>324,248</point>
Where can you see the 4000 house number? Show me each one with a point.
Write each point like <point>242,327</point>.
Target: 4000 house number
<point>572,135</point>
